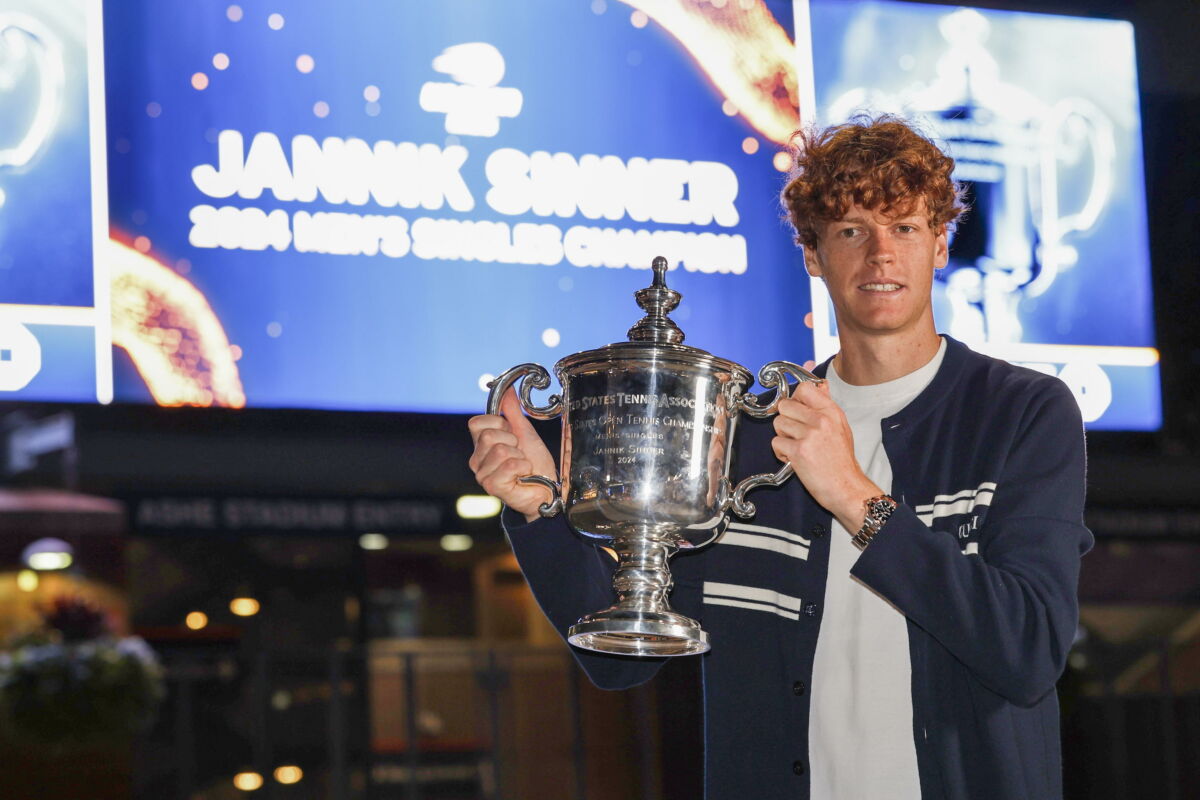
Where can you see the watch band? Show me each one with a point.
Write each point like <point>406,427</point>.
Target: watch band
<point>879,509</point>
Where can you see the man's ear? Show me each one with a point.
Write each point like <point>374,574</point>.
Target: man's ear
<point>812,262</point>
<point>941,249</point>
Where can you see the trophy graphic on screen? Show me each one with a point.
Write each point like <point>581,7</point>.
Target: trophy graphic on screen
<point>1012,151</point>
<point>1036,173</point>
<point>31,87</point>
<point>648,431</point>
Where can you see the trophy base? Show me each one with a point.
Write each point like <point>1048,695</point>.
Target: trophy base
<point>632,633</point>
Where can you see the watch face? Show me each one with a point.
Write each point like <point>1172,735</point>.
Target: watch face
<point>881,505</point>
<point>878,511</point>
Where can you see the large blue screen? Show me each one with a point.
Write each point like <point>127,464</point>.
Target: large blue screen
<point>379,204</point>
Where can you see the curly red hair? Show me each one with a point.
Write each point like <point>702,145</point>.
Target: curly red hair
<point>878,163</point>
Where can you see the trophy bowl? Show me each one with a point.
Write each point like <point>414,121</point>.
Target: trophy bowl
<point>648,431</point>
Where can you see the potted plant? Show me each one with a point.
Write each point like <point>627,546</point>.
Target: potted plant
<point>73,682</point>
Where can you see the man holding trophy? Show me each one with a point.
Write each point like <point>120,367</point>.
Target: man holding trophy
<point>892,623</point>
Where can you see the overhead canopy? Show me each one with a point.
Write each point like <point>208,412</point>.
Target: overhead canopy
<point>58,512</point>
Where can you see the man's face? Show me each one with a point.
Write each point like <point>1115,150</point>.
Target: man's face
<point>879,270</point>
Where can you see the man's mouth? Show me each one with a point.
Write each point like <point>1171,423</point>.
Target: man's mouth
<point>880,287</point>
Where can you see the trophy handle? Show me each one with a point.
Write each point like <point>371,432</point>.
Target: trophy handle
<point>1054,225</point>
<point>773,375</point>
<point>534,376</point>
<point>46,53</point>
<point>531,376</point>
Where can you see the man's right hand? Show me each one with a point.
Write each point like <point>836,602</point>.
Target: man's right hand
<point>506,448</point>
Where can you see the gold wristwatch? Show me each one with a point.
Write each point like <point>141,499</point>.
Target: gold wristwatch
<point>878,510</point>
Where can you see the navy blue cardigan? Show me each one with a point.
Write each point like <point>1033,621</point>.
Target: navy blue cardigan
<point>982,557</point>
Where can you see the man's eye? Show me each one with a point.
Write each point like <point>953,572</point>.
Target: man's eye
<point>847,233</point>
<point>906,228</point>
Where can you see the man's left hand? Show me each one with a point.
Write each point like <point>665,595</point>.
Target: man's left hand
<point>813,434</point>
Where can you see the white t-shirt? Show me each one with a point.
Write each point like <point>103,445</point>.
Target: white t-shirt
<point>860,730</point>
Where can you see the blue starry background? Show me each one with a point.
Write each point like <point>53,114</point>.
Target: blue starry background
<point>380,333</point>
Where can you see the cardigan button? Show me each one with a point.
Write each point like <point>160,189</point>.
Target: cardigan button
<point>798,767</point>
<point>798,688</point>
<point>816,531</point>
<point>811,609</point>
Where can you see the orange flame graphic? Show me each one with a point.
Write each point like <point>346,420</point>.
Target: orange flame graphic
<point>172,335</point>
<point>743,50</point>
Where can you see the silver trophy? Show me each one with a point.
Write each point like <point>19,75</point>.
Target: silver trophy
<point>648,429</point>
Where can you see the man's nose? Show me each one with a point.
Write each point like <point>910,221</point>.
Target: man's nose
<point>880,249</point>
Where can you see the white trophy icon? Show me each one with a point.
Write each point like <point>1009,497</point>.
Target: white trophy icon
<point>1013,150</point>
<point>31,88</point>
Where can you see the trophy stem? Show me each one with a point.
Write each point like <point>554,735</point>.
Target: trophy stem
<point>642,579</point>
<point>641,622</point>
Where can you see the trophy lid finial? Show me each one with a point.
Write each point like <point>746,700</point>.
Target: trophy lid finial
<point>657,301</point>
<point>659,266</point>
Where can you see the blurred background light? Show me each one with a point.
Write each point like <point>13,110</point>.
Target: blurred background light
<point>288,774</point>
<point>27,580</point>
<point>373,541</point>
<point>457,542</point>
<point>248,781</point>
<point>48,554</point>
<point>196,620</point>
<point>244,606</point>
<point>281,700</point>
<point>477,506</point>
